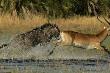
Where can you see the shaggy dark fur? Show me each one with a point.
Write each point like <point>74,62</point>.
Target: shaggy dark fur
<point>39,35</point>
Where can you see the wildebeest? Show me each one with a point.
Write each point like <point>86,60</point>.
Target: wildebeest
<point>43,34</point>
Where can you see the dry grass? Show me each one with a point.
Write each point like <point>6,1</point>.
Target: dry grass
<point>81,24</point>
<point>13,24</point>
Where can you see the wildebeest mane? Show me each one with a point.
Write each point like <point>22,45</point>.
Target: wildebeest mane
<point>47,25</point>
<point>44,26</point>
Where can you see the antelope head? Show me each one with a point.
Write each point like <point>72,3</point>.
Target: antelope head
<point>94,6</point>
<point>108,28</point>
<point>105,27</point>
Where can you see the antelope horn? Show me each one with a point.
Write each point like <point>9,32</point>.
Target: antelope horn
<point>94,5</point>
<point>106,20</point>
<point>100,20</point>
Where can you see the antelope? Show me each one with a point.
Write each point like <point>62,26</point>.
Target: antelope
<point>83,40</point>
<point>88,41</point>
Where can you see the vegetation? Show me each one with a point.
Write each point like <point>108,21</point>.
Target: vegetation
<point>77,23</point>
<point>54,8</point>
<point>35,12</point>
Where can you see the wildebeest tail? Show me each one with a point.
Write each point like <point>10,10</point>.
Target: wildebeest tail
<point>3,45</point>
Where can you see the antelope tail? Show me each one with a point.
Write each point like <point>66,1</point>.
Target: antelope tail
<point>3,45</point>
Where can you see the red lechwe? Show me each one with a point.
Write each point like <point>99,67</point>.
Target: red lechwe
<point>88,41</point>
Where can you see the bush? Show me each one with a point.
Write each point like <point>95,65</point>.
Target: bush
<point>53,8</point>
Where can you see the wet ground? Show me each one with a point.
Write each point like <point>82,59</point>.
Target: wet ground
<point>65,59</point>
<point>54,66</point>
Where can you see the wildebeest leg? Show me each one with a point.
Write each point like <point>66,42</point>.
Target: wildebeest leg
<point>51,52</point>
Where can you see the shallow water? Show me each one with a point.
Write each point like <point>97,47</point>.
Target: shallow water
<point>65,59</point>
<point>54,66</point>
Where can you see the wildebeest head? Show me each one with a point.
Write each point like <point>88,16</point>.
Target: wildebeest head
<point>51,31</point>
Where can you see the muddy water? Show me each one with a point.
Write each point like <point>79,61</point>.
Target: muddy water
<point>65,59</point>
